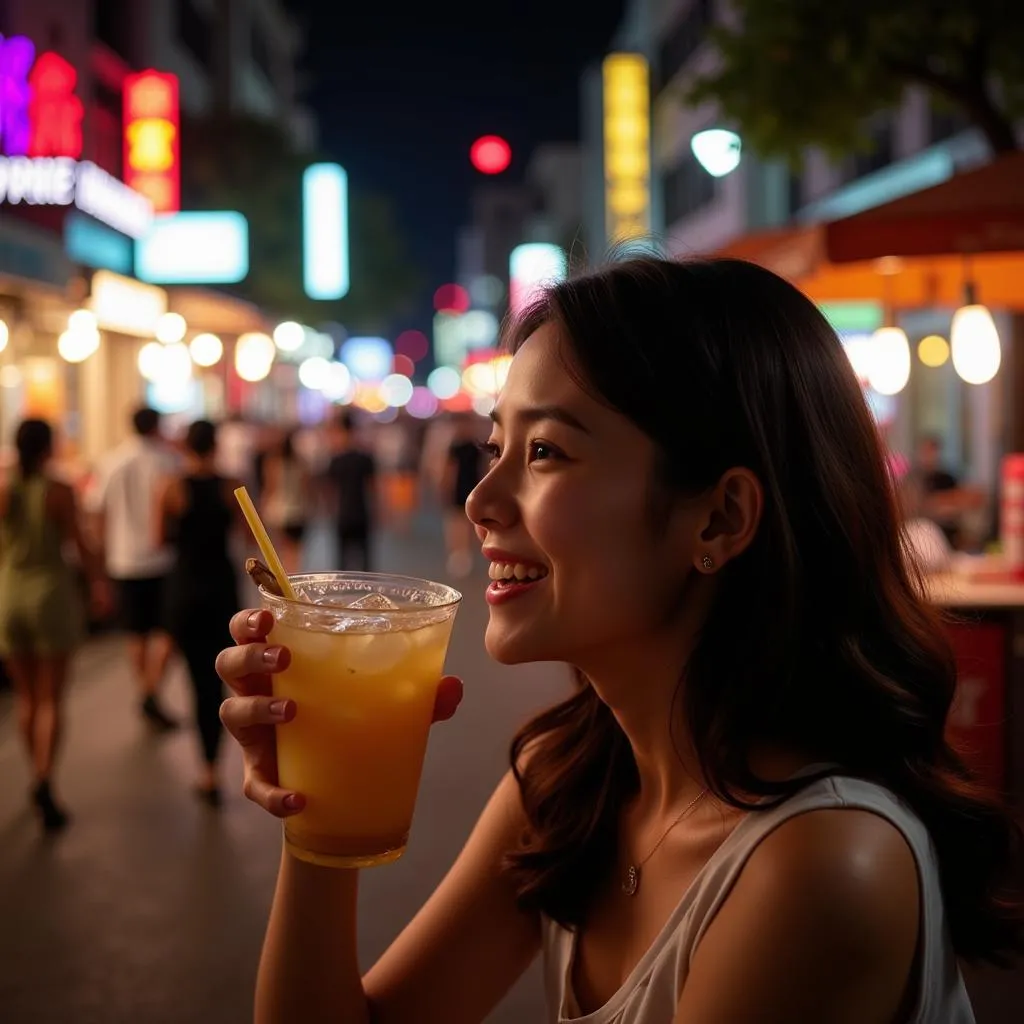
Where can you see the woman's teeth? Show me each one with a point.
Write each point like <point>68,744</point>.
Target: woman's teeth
<point>515,571</point>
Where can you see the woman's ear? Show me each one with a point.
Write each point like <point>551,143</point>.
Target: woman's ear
<point>734,510</point>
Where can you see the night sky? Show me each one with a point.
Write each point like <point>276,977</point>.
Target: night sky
<point>401,88</point>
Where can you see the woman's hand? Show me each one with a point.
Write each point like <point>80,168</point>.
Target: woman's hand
<point>254,713</point>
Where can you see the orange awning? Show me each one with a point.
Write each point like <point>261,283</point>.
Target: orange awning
<point>923,236</point>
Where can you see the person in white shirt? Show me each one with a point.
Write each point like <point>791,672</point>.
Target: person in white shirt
<point>124,502</point>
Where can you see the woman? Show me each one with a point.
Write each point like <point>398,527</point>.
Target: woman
<point>41,620</point>
<point>286,498</point>
<point>747,810</point>
<point>196,514</point>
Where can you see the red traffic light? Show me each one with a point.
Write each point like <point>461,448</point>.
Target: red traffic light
<point>490,154</point>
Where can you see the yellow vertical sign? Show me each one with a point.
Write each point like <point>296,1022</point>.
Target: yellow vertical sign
<point>627,135</point>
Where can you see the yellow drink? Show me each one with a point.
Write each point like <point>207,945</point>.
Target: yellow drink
<point>364,683</point>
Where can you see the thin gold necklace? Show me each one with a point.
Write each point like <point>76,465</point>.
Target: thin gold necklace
<point>631,883</point>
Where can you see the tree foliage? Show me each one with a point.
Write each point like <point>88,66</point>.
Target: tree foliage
<point>250,165</point>
<point>798,73</point>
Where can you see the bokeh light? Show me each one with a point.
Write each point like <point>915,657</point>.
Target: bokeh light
<point>479,328</point>
<point>368,397</point>
<point>289,336</point>
<point>206,349</point>
<point>933,350</point>
<point>403,365</point>
<point>396,389</point>
<point>483,405</point>
<point>367,358</point>
<point>423,403</point>
<point>81,321</point>
<point>451,298</point>
<point>413,344</point>
<point>339,385</point>
<point>77,346</point>
<point>254,356</point>
<point>150,360</point>
<point>444,382</point>
<point>175,365</point>
<point>314,373</point>
<point>171,328</point>
<point>486,290</point>
<point>480,379</point>
<point>490,154</point>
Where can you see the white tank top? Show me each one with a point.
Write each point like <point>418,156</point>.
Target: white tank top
<point>651,992</point>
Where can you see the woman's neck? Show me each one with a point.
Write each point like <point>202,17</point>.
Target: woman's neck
<point>643,689</point>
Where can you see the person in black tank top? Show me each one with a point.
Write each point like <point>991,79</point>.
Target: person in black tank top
<point>197,516</point>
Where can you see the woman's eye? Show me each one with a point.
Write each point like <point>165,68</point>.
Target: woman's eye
<point>541,452</point>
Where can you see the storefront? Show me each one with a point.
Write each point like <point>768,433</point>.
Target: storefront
<point>918,261</point>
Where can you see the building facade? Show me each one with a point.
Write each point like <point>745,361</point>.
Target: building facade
<point>65,247</point>
<point>914,146</point>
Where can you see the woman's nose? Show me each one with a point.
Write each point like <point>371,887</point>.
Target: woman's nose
<point>490,503</point>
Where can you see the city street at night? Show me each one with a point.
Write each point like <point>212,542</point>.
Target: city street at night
<point>685,338</point>
<point>150,908</point>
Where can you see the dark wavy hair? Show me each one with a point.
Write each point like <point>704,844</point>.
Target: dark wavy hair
<point>723,364</point>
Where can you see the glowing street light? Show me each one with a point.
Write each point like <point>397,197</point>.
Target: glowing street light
<point>717,150</point>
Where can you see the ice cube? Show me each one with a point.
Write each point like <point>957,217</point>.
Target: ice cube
<point>373,602</point>
<point>375,653</point>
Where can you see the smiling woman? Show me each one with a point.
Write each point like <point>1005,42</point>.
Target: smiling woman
<point>747,811</point>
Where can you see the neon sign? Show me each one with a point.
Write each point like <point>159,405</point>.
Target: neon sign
<point>152,162</point>
<point>55,112</point>
<point>61,181</point>
<point>16,57</point>
<point>41,141</point>
<point>627,132</point>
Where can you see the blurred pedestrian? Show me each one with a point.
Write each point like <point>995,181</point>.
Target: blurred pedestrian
<point>197,513</point>
<point>396,455</point>
<point>123,503</point>
<point>287,499</point>
<point>352,476</point>
<point>463,470</point>
<point>41,615</point>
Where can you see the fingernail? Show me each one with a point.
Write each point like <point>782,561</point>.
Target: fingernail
<point>270,656</point>
<point>253,620</point>
<point>293,802</point>
<point>279,708</point>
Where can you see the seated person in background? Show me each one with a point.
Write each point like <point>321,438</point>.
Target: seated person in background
<point>943,499</point>
<point>926,541</point>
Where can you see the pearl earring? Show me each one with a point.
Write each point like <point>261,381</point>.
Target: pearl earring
<point>707,562</point>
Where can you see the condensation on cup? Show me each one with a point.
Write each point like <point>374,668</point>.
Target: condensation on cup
<point>1012,514</point>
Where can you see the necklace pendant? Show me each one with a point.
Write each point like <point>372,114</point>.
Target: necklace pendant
<point>632,882</point>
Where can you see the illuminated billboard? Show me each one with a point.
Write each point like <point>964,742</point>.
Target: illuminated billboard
<point>152,145</point>
<point>627,134</point>
<point>325,231</point>
<point>195,248</point>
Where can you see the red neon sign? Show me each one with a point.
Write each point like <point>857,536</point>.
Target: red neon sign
<point>54,111</point>
<point>152,147</point>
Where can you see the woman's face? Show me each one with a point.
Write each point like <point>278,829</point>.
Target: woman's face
<point>566,506</point>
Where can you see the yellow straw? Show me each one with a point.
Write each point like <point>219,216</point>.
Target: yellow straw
<point>252,517</point>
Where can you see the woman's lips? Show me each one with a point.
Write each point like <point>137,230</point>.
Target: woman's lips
<point>501,591</point>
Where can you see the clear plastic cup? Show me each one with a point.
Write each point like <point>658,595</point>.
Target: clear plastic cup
<point>364,680</point>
